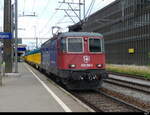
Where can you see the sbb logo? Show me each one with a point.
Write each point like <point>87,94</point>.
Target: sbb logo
<point>86,59</point>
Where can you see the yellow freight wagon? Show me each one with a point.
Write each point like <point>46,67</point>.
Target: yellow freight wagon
<point>33,57</point>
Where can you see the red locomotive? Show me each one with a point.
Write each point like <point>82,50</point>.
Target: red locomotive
<point>77,59</point>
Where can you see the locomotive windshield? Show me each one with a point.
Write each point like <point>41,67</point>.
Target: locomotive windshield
<point>63,45</point>
<point>96,45</point>
<point>75,45</point>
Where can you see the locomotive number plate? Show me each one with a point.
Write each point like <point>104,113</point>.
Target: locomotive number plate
<point>86,65</point>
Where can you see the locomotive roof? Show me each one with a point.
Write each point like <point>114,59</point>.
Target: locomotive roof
<point>82,34</point>
<point>75,34</point>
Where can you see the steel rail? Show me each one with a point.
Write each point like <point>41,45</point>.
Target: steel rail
<point>86,102</point>
<point>129,75</point>
<point>131,82</point>
<point>123,102</point>
<point>128,85</point>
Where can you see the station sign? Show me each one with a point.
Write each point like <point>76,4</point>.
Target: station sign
<point>5,35</point>
<point>21,49</point>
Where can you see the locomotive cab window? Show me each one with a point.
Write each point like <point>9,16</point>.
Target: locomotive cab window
<point>75,45</point>
<point>63,45</point>
<point>95,45</point>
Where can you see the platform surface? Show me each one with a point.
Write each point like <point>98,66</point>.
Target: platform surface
<point>33,92</point>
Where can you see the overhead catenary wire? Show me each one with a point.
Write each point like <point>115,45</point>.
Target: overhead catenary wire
<point>52,16</point>
<point>90,8</point>
<point>58,23</point>
<point>69,6</point>
<point>31,10</point>
<point>24,6</point>
<point>42,29</point>
<point>42,12</point>
<point>33,6</point>
<point>47,4</point>
<point>61,19</point>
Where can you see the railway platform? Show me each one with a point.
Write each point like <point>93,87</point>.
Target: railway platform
<point>32,91</point>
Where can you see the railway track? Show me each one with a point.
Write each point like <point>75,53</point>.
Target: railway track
<point>129,75</point>
<point>141,86</point>
<point>129,84</point>
<point>102,102</point>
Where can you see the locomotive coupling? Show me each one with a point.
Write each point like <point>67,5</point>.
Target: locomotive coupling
<point>88,76</point>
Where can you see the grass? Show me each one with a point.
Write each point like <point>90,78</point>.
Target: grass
<point>130,69</point>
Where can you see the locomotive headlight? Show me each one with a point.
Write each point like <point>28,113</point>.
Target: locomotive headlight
<point>99,65</point>
<point>72,65</point>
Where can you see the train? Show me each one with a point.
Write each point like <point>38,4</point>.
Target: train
<point>76,59</point>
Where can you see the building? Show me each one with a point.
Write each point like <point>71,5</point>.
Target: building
<point>125,25</point>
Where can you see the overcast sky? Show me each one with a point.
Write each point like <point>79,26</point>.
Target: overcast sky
<point>47,16</point>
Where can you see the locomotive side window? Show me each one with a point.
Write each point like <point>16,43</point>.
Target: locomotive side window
<point>63,45</point>
<point>95,45</point>
<point>75,45</point>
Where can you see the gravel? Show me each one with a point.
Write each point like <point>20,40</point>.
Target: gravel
<point>140,99</point>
